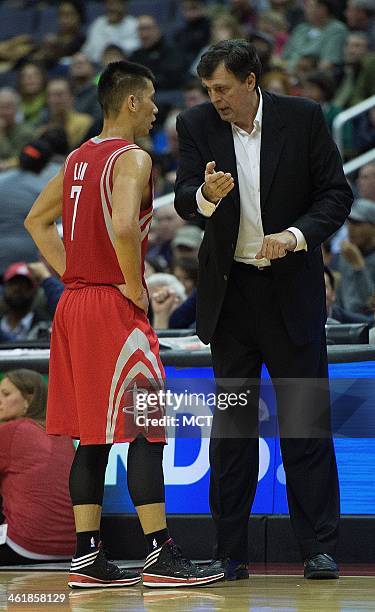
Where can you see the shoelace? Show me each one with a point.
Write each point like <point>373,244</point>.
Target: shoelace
<point>179,558</point>
<point>107,565</point>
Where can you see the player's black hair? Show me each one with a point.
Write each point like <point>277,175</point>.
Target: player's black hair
<point>238,56</point>
<point>118,80</point>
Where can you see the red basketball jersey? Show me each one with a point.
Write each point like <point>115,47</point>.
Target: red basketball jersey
<point>87,214</point>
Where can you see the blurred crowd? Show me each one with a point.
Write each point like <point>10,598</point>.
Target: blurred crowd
<point>51,55</point>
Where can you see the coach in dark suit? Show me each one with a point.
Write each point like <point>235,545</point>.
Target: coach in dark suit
<point>265,172</point>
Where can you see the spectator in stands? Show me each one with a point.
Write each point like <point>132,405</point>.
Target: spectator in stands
<point>224,26</point>
<point>71,19</point>
<point>291,10</point>
<point>305,64</point>
<point>364,189</point>
<point>357,259</point>
<point>115,27</point>
<point>360,15</point>
<point>60,113</point>
<point>112,53</point>
<point>320,87</point>
<point>372,329</point>
<point>19,188</point>
<point>274,24</point>
<point>82,73</point>
<point>4,338</point>
<point>320,34</point>
<point>67,40</point>
<point>364,132</point>
<point>335,313</point>
<point>165,225</point>
<point>21,321</point>
<point>366,182</point>
<point>185,270</point>
<point>327,252</point>
<point>276,81</point>
<point>264,45</point>
<point>166,294</point>
<point>31,87</point>
<point>172,151</point>
<point>187,241</point>
<point>355,51</point>
<point>365,85</point>
<point>158,55</point>
<point>184,316</point>
<point>34,475</point>
<point>13,134</point>
<point>194,93</point>
<point>244,13</point>
<point>50,284</point>
<point>195,33</point>
<point>14,49</point>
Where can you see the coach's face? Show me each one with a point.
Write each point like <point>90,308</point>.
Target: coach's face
<point>233,99</point>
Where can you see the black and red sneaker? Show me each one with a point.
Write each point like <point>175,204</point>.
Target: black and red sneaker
<point>95,571</point>
<point>167,567</point>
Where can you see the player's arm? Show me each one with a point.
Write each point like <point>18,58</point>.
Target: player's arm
<point>130,178</point>
<point>41,223</point>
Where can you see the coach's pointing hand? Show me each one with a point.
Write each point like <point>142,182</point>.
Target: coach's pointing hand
<point>216,184</point>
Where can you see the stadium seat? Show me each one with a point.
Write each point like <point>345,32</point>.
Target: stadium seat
<point>356,333</point>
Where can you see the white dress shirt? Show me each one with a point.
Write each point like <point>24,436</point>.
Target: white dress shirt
<point>250,234</point>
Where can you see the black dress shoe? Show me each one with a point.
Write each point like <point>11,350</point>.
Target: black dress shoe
<point>321,567</point>
<point>233,570</point>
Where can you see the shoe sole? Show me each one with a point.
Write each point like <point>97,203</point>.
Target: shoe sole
<point>78,581</point>
<point>158,581</point>
<point>323,575</point>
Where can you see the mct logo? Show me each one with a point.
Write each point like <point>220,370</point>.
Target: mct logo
<point>181,475</point>
<point>186,463</point>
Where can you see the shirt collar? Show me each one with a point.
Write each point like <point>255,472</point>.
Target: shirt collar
<point>258,118</point>
<point>259,115</point>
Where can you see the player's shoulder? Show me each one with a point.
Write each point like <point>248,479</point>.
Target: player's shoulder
<point>136,154</point>
<point>134,161</point>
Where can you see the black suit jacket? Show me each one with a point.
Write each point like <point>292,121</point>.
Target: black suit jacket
<point>302,184</point>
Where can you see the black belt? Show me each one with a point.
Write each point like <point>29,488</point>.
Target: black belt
<point>252,269</point>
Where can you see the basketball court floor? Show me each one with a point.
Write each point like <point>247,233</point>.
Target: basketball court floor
<point>279,588</point>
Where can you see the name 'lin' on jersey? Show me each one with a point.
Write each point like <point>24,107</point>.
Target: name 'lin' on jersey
<point>87,214</point>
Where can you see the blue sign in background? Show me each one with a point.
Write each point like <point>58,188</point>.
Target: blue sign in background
<point>186,458</point>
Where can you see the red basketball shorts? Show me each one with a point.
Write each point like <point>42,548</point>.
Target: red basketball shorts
<point>104,359</point>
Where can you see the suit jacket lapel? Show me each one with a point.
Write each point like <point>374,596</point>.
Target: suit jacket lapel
<point>272,142</point>
<point>220,140</point>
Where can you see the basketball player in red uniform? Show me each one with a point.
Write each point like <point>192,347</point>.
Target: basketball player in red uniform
<point>103,349</point>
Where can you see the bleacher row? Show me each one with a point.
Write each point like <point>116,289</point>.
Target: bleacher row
<point>39,19</point>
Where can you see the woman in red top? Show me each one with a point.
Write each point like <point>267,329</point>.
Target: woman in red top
<point>38,522</point>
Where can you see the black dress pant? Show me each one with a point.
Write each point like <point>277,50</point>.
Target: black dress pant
<point>251,331</point>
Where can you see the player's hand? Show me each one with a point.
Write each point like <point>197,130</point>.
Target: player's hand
<point>216,184</point>
<point>139,298</point>
<point>352,254</point>
<point>276,246</point>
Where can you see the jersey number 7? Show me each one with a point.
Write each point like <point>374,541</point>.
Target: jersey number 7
<point>75,193</point>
